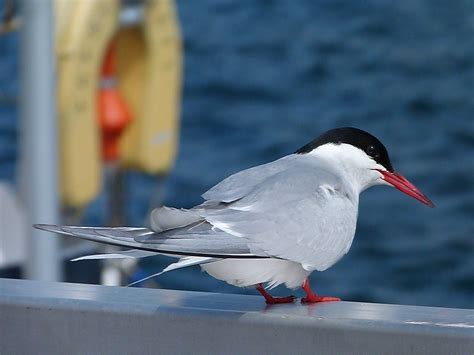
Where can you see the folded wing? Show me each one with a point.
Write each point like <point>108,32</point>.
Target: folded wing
<point>197,239</point>
<point>294,208</point>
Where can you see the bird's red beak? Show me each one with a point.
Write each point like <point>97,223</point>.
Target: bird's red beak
<point>405,186</point>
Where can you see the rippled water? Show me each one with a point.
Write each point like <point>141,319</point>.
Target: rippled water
<point>263,78</point>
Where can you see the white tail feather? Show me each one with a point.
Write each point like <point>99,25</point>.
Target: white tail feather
<point>118,255</point>
<point>184,262</point>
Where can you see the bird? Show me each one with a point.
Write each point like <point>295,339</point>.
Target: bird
<point>271,224</point>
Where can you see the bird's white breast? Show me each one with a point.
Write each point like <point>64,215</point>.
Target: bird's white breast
<point>249,272</point>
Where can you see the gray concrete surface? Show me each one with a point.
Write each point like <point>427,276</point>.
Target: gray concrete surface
<point>59,318</point>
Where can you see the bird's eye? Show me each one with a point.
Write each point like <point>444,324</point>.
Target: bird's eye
<point>372,151</point>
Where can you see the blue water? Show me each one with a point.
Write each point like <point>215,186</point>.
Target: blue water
<point>263,78</point>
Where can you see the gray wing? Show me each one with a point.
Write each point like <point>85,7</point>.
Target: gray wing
<point>197,239</point>
<point>290,209</point>
<point>240,184</point>
<point>303,213</point>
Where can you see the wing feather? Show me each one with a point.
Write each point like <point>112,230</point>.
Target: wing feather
<point>241,184</point>
<point>194,240</point>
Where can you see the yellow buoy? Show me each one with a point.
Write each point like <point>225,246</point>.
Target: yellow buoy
<point>149,69</point>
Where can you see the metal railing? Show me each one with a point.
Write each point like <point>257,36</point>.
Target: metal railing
<point>59,318</point>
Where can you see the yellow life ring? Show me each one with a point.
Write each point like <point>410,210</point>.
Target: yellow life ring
<point>149,70</point>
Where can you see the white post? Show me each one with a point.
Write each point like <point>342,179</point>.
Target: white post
<point>38,138</point>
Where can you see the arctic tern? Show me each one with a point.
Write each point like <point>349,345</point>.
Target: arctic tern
<point>272,224</point>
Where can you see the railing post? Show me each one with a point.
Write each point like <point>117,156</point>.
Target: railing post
<point>38,139</point>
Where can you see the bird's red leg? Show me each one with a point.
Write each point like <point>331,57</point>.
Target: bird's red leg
<point>269,299</point>
<point>314,298</point>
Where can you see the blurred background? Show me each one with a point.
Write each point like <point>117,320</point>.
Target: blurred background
<point>259,79</point>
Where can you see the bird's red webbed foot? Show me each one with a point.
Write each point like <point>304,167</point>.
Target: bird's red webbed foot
<point>269,299</point>
<point>311,297</point>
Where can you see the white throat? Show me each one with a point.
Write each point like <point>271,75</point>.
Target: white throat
<point>352,164</point>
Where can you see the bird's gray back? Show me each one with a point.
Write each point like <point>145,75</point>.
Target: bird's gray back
<point>240,184</point>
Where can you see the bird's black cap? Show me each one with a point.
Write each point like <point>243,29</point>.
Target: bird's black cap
<point>353,136</point>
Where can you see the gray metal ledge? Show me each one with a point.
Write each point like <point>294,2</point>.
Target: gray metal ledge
<point>60,318</point>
